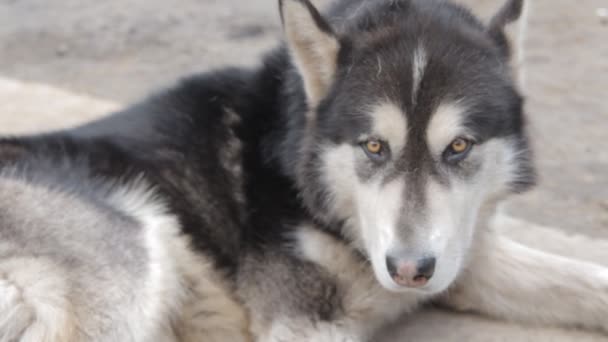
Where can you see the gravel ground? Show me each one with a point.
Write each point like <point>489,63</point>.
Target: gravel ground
<point>67,61</point>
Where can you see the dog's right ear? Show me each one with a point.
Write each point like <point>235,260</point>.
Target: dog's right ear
<point>313,46</point>
<point>509,12</point>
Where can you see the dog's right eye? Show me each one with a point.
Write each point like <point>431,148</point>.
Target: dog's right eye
<point>375,149</point>
<point>373,146</point>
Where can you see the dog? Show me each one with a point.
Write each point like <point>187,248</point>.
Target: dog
<point>348,180</point>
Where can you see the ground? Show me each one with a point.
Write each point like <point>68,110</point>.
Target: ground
<point>67,61</point>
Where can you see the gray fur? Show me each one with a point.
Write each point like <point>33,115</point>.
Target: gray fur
<point>49,227</point>
<point>77,264</point>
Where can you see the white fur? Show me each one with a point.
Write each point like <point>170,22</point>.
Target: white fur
<point>34,301</point>
<point>446,124</point>
<point>183,285</point>
<point>420,61</point>
<point>509,280</point>
<point>339,172</point>
<point>379,207</point>
<point>451,220</point>
<point>389,123</point>
<point>163,291</point>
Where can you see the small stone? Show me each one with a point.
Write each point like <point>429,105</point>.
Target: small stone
<point>62,50</point>
<point>602,14</point>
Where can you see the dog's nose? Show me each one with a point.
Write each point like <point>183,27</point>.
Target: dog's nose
<point>409,272</point>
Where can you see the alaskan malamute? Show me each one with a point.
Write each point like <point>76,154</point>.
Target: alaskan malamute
<point>344,182</point>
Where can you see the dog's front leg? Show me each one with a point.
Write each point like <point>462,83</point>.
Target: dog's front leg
<point>317,290</point>
<point>290,299</point>
<point>511,281</point>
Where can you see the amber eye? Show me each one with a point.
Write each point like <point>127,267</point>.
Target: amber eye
<point>458,150</point>
<point>373,146</point>
<point>459,145</point>
<point>376,150</point>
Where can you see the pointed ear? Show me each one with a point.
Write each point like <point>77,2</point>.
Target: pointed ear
<point>510,12</point>
<point>313,46</point>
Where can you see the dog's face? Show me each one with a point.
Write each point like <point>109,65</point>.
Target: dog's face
<point>413,125</point>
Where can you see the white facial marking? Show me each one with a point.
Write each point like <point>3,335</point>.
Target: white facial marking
<point>419,65</point>
<point>340,172</point>
<point>379,208</point>
<point>500,167</point>
<point>446,125</point>
<point>389,122</point>
<point>449,231</point>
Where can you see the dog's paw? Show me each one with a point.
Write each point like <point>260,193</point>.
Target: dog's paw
<point>15,314</point>
<point>34,304</point>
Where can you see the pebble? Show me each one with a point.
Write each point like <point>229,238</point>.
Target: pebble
<point>602,14</point>
<point>62,50</point>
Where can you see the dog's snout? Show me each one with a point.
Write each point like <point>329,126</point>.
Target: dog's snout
<point>410,272</point>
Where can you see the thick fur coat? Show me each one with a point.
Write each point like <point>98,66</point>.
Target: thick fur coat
<point>346,181</point>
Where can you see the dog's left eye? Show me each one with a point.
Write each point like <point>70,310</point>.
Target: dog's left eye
<point>458,150</point>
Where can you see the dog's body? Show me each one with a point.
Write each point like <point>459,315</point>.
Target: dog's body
<point>312,199</point>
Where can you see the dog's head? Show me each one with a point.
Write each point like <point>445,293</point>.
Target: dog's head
<point>412,124</point>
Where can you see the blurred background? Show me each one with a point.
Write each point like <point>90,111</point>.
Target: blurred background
<point>63,62</point>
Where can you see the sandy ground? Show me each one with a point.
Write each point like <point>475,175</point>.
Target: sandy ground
<point>67,61</point>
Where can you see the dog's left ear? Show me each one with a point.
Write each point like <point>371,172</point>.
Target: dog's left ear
<point>313,46</point>
<point>509,12</point>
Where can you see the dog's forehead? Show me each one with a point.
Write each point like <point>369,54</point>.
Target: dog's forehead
<point>392,41</point>
<point>407,68</point>
<point>419,76</point>
<point>421,60</point>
